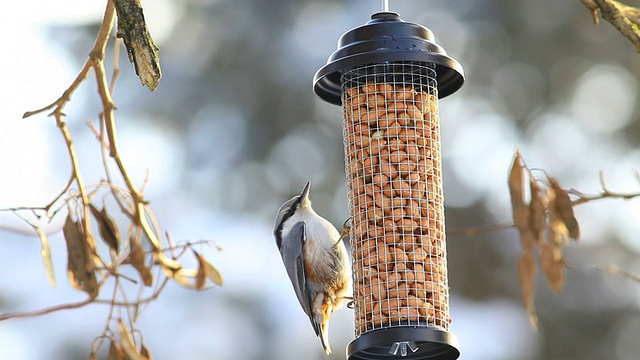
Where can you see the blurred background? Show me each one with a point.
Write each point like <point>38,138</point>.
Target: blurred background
<point>234,130</point>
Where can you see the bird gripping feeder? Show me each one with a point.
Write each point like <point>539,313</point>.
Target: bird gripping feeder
<point>388,75</point>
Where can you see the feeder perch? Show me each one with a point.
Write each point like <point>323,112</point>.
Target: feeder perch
<point>388,75</point>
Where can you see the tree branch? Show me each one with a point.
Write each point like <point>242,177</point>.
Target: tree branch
<point>143,52</point>
<point>615,270</point>
<point>606,193</point>
<point>623,17</point>
<point>479,229</point>
<point>44,311</point>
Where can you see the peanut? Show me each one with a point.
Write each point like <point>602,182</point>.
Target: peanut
<point>399,256</point>
<point>370,87</point>
<point>425,308</point>
<point>410,314</point>
<point>397,156</point>
<point>394,129</point>
<point>398,202</point>
<point>373,101</point>
<point>380,179</point>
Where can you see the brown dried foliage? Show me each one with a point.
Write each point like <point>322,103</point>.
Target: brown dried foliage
<point>98,269</point>
<point>544,224</point>
<point>80,266</point>
<point>108,228</point>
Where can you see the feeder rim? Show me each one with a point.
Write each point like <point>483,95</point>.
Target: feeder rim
<point>450,74</point>
<point>386,38</point>
<point>364,347</point>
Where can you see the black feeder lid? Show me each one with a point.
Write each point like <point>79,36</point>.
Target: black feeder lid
<point>405,342</point>
<point>386,38</point>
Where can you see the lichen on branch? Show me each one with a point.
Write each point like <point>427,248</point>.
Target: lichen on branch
<point>142,50</point>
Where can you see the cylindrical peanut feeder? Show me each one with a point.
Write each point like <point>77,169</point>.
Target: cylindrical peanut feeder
<point>388,75</point>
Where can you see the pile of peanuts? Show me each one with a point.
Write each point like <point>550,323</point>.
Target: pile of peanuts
<point>393,165</point>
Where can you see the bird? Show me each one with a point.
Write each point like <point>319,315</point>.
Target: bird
<point>316,260</point>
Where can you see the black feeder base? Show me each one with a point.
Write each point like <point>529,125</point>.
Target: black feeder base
<point>404,343</point>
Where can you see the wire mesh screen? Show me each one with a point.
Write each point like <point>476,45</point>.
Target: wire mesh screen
<point>394,176</point>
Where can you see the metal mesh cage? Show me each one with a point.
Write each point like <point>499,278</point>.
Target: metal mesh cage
<point>394,178</point>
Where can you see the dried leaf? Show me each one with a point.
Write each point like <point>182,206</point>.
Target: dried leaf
<point>145,352</point>
<point>182,280</point>
<point>527,272</point>
<point>565,209</point>
<point>191,273</point>
<point>182,276</point>
<point>174,270</point>
<point>45,252</point>
<point>127,343</point>
<point>108,228</point>
<point>116,352</point>
<point>557,230</point>
<point>527,239</point>
<point>211,272</point>
<point>516,191</point>
<point>168,262</point>
<point>80,267</point>
<point>537,214</point>
<point>552,266</point>
<point>520,209</point>
<point>136,256</point>
<point>201,277</point>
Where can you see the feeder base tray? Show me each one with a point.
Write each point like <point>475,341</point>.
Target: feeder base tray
<point>404,343</point>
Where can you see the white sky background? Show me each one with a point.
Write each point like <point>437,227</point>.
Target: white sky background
<point>33,167</point>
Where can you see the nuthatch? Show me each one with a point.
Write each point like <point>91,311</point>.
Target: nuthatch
<point>315,259</point>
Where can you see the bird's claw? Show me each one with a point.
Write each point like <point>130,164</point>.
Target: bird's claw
<point>346,227</point>
<point>346,230</point>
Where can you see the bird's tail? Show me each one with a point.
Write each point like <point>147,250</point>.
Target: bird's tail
<point>322,318</point>
<point>324,336</point>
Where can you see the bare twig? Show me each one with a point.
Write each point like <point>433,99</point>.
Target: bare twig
<point>116,68</point>
<point>615,270</point>
<point>593,7</point>
<point>473,231</point>
<point>110,317</point>
<point>148,299</point>
<point>606,193</point>
<point>105,150</point>
<point>14,315</point>
<point>623,17</point>
<point>112,302</point>
<point>66,96</point>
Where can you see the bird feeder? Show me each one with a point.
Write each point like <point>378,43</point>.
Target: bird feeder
<point>388,75</point>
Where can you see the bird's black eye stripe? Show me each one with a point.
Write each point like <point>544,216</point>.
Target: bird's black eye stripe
<point>292,210</point>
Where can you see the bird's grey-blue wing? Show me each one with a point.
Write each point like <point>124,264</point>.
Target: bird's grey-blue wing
<point>292,256</point>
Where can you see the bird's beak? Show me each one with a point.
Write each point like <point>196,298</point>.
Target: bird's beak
<point>304,195</point>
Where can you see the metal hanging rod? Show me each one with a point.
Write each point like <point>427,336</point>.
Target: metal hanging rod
<point>385,5</point>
